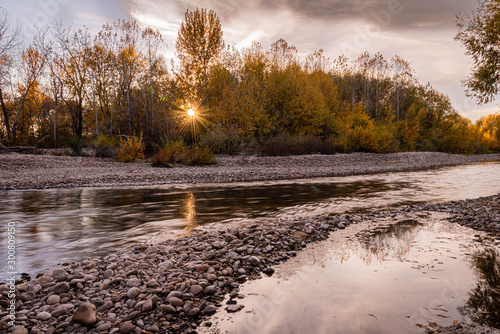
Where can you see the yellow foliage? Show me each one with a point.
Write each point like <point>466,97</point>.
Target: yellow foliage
<point>130,149</point>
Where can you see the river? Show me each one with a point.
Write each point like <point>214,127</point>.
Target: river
<point>62,225</point>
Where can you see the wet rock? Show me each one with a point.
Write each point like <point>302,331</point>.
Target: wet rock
<point>44,280</point>
<point>85,314</point>
<point>60,275</point>
<point>234,308</point>
<point>268,271</point>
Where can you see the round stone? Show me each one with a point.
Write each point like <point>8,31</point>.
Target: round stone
<point>175,301</point>
<point>85,314</point>
<point>44,316</point>
<point>53,299</point>
<point>132,293</point>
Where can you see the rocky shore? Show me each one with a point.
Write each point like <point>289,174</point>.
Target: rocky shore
<point>481,214</point>
<point>21,171</point>
<point>174,286</point>
<point>169,287</point>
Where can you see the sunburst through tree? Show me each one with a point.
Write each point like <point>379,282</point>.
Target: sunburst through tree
<point>194,114</point>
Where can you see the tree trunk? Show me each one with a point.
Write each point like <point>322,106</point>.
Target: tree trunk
<point>79,129</point>
<point>5,113</point>
<point>55,120</point>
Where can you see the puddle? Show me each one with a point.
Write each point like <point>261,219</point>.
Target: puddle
<point>391,278</point>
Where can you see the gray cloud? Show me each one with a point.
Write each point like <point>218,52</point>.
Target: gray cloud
<point>408,14</point>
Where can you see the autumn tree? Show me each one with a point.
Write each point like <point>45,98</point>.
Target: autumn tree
<point>9,40</point>
<point>33,61</point>
<point>73,47</point>
<point>199,41</point>
<point>479,33</point>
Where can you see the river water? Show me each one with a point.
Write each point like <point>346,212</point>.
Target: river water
<point>62,225</point>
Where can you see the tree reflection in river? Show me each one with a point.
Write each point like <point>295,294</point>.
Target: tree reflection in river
<point>394,240</point>
<point>483,305</point>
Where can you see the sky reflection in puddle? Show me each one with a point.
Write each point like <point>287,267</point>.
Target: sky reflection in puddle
<point>393,279</point>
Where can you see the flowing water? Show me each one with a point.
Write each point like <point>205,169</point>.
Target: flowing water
<point>62,225</point>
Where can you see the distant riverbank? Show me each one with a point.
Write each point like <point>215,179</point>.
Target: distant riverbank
<point>44,171</point>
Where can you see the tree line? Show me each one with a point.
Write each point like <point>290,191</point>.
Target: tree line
<point>71,83</point>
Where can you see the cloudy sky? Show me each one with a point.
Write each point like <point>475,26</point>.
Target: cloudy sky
<point>420,31</point>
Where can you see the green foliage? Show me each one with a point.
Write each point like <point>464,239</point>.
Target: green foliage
<point>480,35</point>
<point>292,145</point>
<point>105,146</point>
<point>76,145</point>
<point>130,149</point>
<point>198,156</point>
<point>177,152</point>
<point>221,140</point>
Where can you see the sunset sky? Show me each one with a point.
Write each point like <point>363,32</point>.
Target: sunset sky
<point>419,31</point>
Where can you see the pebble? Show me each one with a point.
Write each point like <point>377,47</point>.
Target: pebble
<point>85,314</point>
<point>127,327</point>
<point>53,299</point>
<point>20,330</point>
<point>234,308</point>
<point>44,316</point>
<point>175,301</point>
<point>132,293</point>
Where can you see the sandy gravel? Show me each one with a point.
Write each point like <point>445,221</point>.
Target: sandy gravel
<point>20,171</point>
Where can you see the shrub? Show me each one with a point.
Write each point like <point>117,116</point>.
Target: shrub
<point>221,140</point>
<point>130,149</point>
<point>161,159</point>
<point>199,156</point>
<point>178,152</point>
<point>105,146</point>
<point>277,146</point>
<point>287,145</point>
<point>76,145</point>
<point>175,151</point>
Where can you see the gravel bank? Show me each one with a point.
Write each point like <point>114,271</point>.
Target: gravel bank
<point>174,286</point>
<point>481,214</point>
<point>42,171</point>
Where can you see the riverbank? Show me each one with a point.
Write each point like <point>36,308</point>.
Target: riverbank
<point>174,286</point>
<point>43,171</point>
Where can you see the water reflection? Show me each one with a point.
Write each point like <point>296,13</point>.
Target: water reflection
<point>422,283</point>
<point>483,304</point>
<point>394,240</point>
